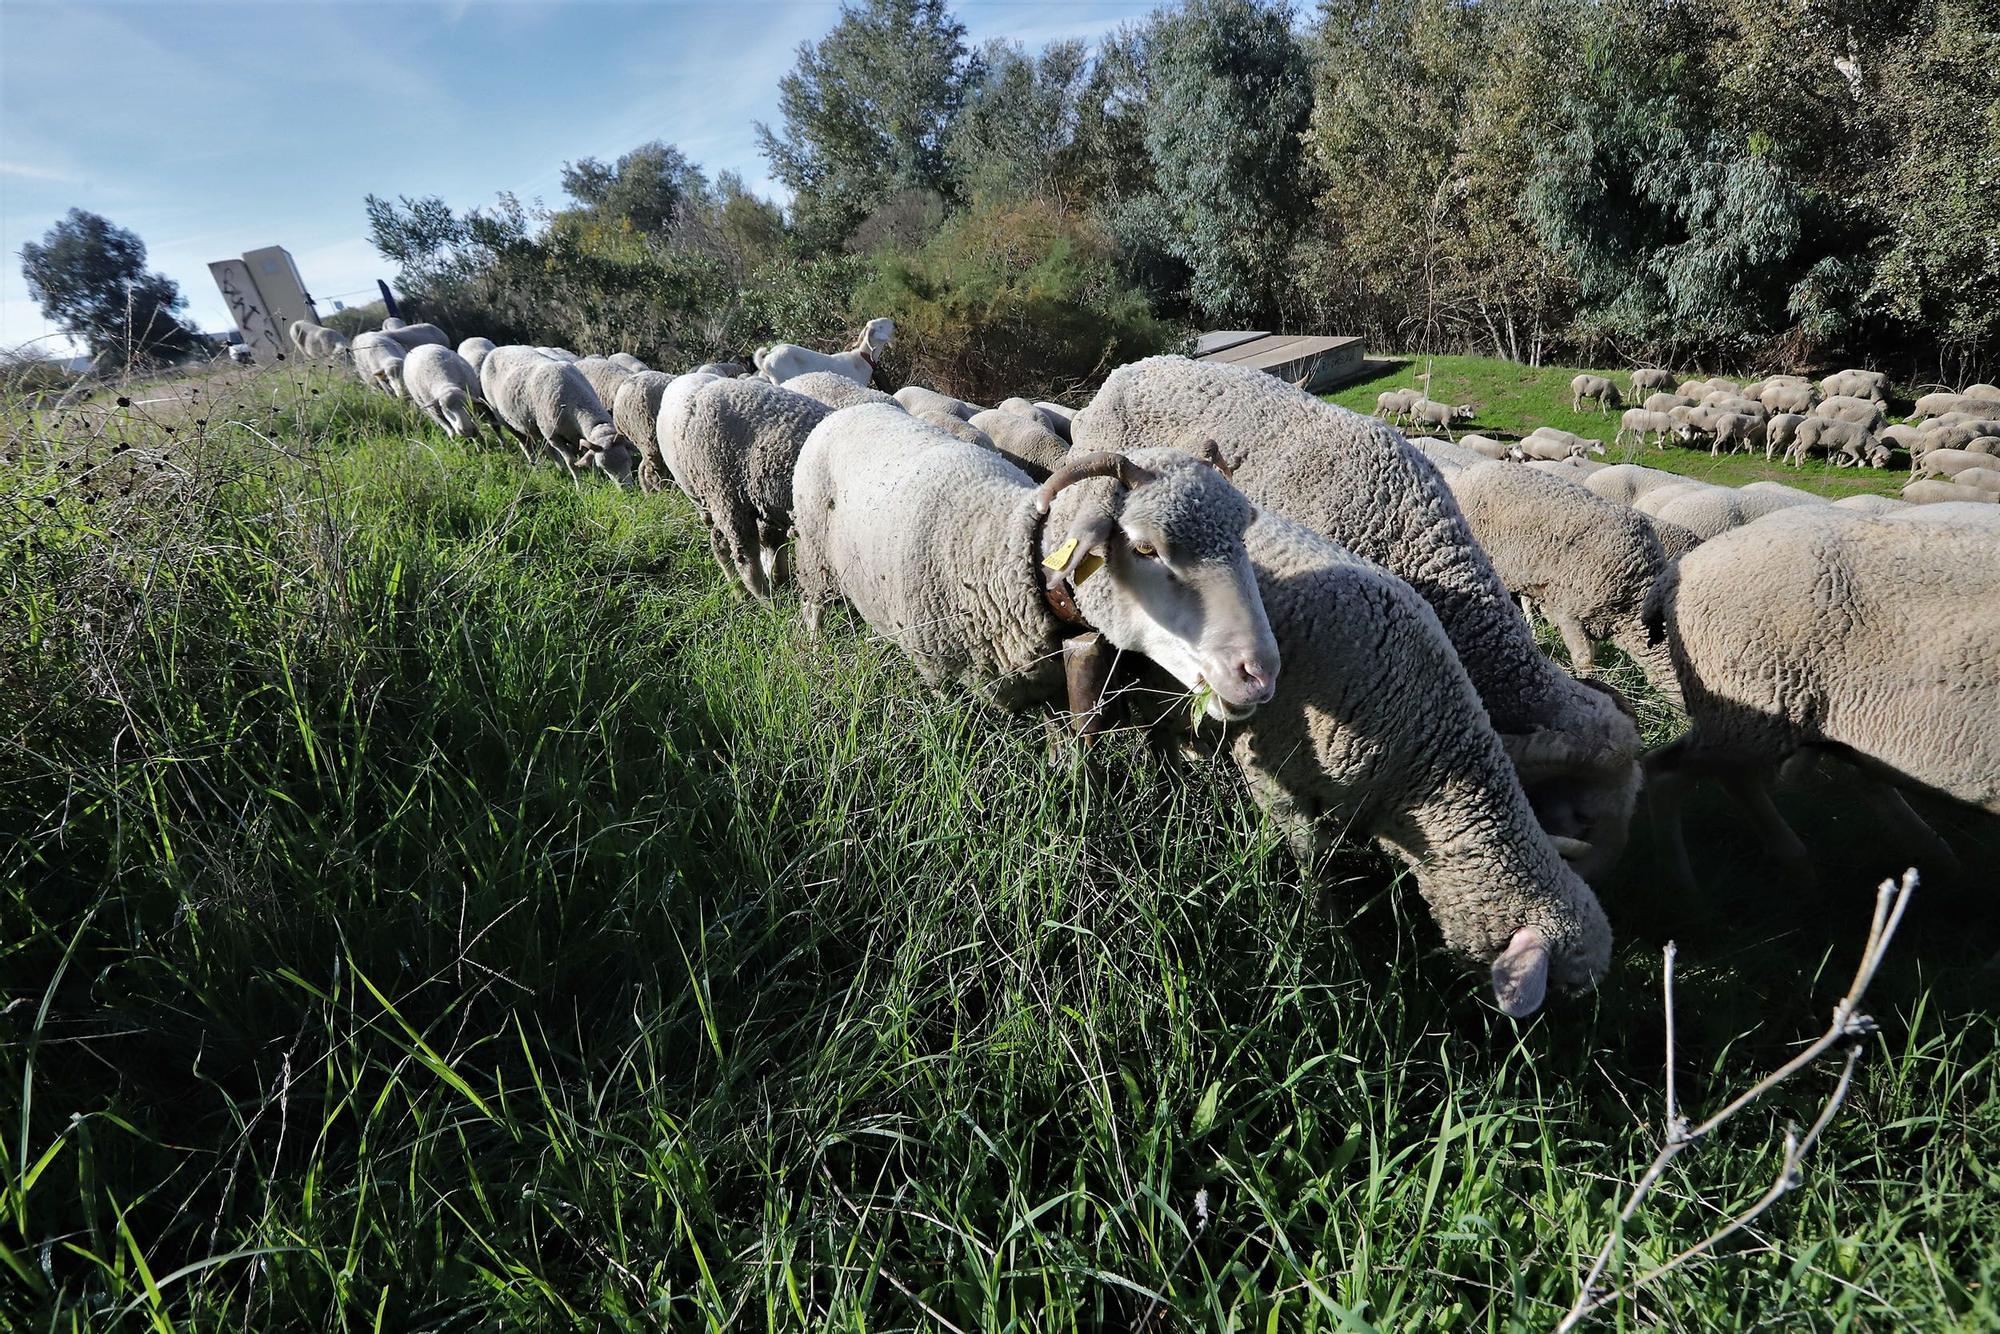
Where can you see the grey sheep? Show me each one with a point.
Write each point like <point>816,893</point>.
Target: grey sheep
<point>1780,431</point>
<point>1956,436</point>
<point>474,351</point>
<point>916,399</point>
<point>836,391</point>
<point>1800,399</point>
<point>1393,405</point>
<point>732,447</point>
<point>445,386</point>
<point>318,341</point>
<point>635,411</point>
<point>605,375</point>
<point>1736,431</point>
<point>1860,411</point>
<point>629,362</point>
<point>1827,435</point>
<point>1417,766</point>
<point>1663,401</point>
<point>412,336</point>
<point>548,402</point>
<point>1594,387</point>
<point>1986,477</point>
<point>1639,423</point>
<point>953,554</point>
<point>1856,384</point>
<point>1589,564</point>
<point>1356,482</point>
<point>1728,402</point>
<point>1821,627</point>
<point>1934,493</point>
<point>1648,380</point>
<point>1033,449</point>
<point>1486,446</point>
<point>1549,442</point>
<point>378,360</point>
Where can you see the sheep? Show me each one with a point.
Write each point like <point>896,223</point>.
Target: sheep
<point>1704,510</point>
<point>1651,379</point>
<point>548,401</point>
<point>1676,540</point>
<point>953,554</point>
<point>629,362</point>
<point>1547,442</point>
<point>1724,401</point>
<point>1588,563</point>
<point>1639,423</point>
<point>1784,494</point>
<point>1626,482</point>
<point>1739,431</point>
<point>653,474</point>
<point>1430,412</point>
<point>1988,445</point>
<point>474,351</point>
<point>1417,767</point>
<point>732,447</point>
<point>1779,432</point>
<point>378,360</point>
<point>721,370</point>
<point>1854,451</point>
<point>559,353</point>
<point>412,336</point>
<point>915,398</point>
<point>1035,451</point>
<point>1392,405</point>
<point>1486,446</point>
<point>391,324</point>
<point>1663,401</point>
<point>786,361</point>
<point>327,344</point>
<point>1824,435</point>
<point>836,391</point>
<point>1870,504</point>
<point>1984,391</point>
<point>956,427</point>
<point>1057,418</point>
<point>1691,390</point>
<point>1906,438</point>
<point>297,333</point>
<point>1822,628</point>
<point>1449,456</point>
<point>445,386</point>
<point>1936,405</point>
<point>1986,478</point>
<point>1034,412</point>
<point>1596,387</point>
<point>1955,436</point>
<point>1932,493</point>
<point>1800,399</point>
<point>1576,469</point>
<point>635,411</point>
<point>1356,482</point>
<point>1856,384</point>
<point>1860,411</point>
<point>605,376</point>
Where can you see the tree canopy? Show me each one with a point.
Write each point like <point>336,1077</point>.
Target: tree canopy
<point>90,278</point>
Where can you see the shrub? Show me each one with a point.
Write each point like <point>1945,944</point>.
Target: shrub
<point>1012,298</point>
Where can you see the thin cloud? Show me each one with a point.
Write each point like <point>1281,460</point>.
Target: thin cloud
<point>28,172</point>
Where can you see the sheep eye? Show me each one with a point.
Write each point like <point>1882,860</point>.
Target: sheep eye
<point>1145,550</point>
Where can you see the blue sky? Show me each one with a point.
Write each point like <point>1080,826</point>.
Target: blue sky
<point>214,128</point>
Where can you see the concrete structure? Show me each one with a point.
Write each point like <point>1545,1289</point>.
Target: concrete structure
<point>265,294</point>
<point>1314,362</point>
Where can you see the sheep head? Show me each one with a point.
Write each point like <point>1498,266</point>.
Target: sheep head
<point>1176,584</point>
<point>609,452</point>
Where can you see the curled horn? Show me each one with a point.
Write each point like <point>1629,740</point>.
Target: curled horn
<point>1082,467</point>
<point>1210,452</point>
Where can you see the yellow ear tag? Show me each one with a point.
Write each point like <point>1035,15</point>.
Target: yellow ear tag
<point>1086,567</point>
<point>1059,558</point>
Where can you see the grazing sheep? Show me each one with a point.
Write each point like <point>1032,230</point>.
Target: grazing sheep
<point>1334,754</point>
<point>1605,393</point>
<point>1663,402</point>
<point>1800,399</point>
<point>1356,482</point>
<point>1639,423</point>
<point>956,427</point>
<point>1704,510</point>
<point>412,336</point>
<point>1983,391</point>
<point>787,361</point>
<point>1588,563</point>
<point>1548,442</point>
<point>1826,435</point>
<point>318,341</point>
<point>1724,401</point>
<point>1856,384</point>
<point>1853,452</point>
<point>1647,380</point>
<point>1486,446</point>
<point>378,360</point>
<point>1860,411</point>
<point>559,353</point>
<point>605,375</point>
<point>1737,431</point>
<point>1035,451</point>
<point>1449,456</point>
<point>732,447</point>
<point>474,351</point>
<point>1675,540</point>
<point>1626,482</point>
<point>1033,412</point>
<point>1936,405</point>
<point>1958,435</point>
<point>916,399</point>
<point>1986,478</point>
<point>1872,638</point>
<point>1393,405</point>
<point>1906,438</point>
<point>1868,504</point>
<point>629,362</point>
<point>1934,493</point>
<point>1576,469</point>
<point>392,324</point>
<point>445,386</point>
<point>836,391</point>
<point>1785,494</point>
<point>1692,390</point>
<point>1985,444</point>
<point>548,402</point>
<point>1780,431</point>
<point>635,411</point>
<point>666,419</point>
<point>949,551</point>
<point>1430,412</point>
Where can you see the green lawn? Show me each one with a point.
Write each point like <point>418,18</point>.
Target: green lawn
<point>428,900</point>
<point>1513,399</point>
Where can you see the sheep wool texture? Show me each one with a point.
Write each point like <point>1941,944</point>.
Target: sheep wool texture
<point>1589,563</point>
<point>1823,625</point>
<point>734,451</point>
<point>544,399</point>
<point>411,336</point>
<point>474,351</point>
<point>918,399</point>
<point>1418,766</point>
<point>604,376</point>
<point>635,410</point>
<point>440,382</point>
<point>1034,450</point>
<point>836,391</point>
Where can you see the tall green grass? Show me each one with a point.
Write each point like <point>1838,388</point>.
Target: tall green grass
<point>428,900</point>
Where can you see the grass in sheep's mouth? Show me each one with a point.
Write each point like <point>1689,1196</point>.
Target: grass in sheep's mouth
<point>427,899</point>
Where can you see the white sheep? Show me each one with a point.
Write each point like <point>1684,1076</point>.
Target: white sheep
<point>1934,492</point>
<point>721,370</point>
<point>1057,417</point>
<point>1358,483</point>
<point>1393,405</point>
<point>667,414</point>
<point>1486,446</point>
<point>445,386</point>
<point>1593,387</point>
<point>1780,431</point>
<point>412,336</point>
<point>635,411</point>
<point>1549,442</point>
<point>732,447</point>
<point>916,399</point>
<point>1648,380</point>
<point>785,361</point>
<point>474,351</point>
<point>1049,421</point>
<point>548,402</point>
<point>629,362</point>
<point>953,554</point>
<point>1856,384</point>
<point>836,391</point>
<point>1663,402</point>
<point>1821,627</point>
<point>1034,449</point>
<point>1639,423</point>
<point>378,360</point>
<point>1626,482</point>
<point>1430,412</point>
<point>1418,767</point>
<point>1860,411</point>
<point>1870,504</point>
<point>605,375</point>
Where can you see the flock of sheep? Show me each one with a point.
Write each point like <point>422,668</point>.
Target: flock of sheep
<point>1339,601</point>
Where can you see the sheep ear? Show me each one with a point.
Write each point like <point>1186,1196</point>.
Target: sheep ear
<point>1521,974</point>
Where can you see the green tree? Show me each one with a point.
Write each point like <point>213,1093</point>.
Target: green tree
<point>90,278</point>
<point>648,188</point>
<point>1229,95</point>
<point>1019,135</point>
<point>867,113</point>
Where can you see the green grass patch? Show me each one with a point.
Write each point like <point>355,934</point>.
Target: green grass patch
<point>429,900</point>
<point>1513,399</point>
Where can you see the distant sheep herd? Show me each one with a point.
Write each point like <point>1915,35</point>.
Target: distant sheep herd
<point>1348,608</point>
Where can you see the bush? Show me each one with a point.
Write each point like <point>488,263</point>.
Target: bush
<point>1012,298</point>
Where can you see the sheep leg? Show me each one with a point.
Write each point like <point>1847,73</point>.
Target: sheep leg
<point>1910,829</point>
<point>1582,653</point>
<point>1752,789</point>
<point>1666,791</point>
<point>1304,832</point>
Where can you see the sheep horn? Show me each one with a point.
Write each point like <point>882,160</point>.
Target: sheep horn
<point>1209,452</point>
<point>1098,463</point>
